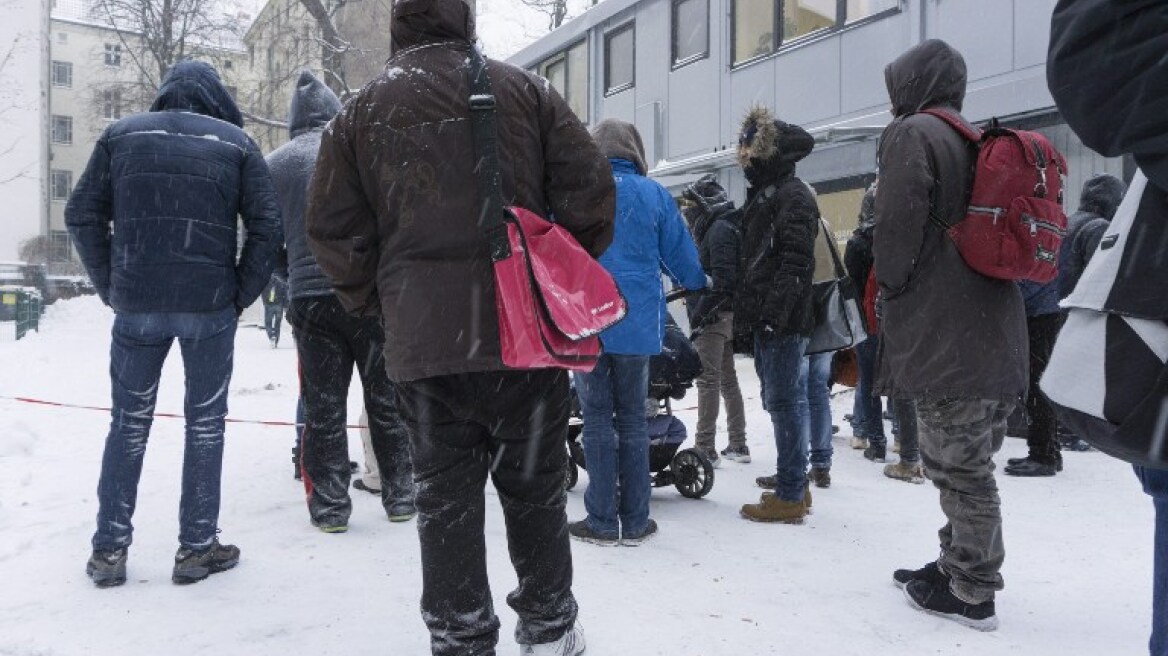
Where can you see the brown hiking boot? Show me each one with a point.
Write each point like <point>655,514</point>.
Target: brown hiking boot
<point>806,496</point>
<point>909,472</point>
<point>772,509</point>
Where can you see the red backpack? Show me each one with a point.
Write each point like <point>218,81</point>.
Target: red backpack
<point>1015,223</point>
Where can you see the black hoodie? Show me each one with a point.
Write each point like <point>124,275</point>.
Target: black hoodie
<point>313,106</point>
<point>781,220</point>
<point>946,330</point>
<point>716,227</point>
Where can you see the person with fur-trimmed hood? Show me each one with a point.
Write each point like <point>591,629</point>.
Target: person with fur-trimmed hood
<point>716,226</point>
<point>773,303</point>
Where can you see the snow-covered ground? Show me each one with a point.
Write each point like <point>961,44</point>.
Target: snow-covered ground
<point>1077,571</point>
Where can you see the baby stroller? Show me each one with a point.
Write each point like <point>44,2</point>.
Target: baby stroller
<point>670,374</point>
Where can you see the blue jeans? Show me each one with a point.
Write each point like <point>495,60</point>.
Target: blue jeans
<point>819,408</point>
<point>140,344</point>
<point>782,374</point>
<point>616,452</point>
<point>1156,485</point>
<point>867,412</point>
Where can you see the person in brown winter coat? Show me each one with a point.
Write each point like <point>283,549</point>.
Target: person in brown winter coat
<point>394,221</point>
<point>952,340</point>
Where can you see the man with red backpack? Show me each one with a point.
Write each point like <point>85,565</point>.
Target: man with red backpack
<point>952,339</point>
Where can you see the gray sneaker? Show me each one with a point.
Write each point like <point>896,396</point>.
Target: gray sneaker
<point>711,454</point>
<point>569,644</point>
<point>737,454</point>
<point>193,566</point>
<point>107,568</point>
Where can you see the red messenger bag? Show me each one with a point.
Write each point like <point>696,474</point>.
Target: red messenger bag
<point>552,297</point>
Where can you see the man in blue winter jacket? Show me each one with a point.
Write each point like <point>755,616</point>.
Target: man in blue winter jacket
<point>154,218</point>
<point>650,238</point>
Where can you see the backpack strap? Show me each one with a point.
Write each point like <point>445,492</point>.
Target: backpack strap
<point>486,142</point>
<point>966,130</point>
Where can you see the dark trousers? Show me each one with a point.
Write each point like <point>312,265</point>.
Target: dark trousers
<point>330,343</point>
<point>513,426</point>
<point>1041,434</point>
<point>273,318</point>
<point>905,412</point>
<point>1156,485</point>
<point>867,410</point>
<point>139,347</point>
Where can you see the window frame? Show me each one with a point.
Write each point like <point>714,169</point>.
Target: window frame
<point>111,98</point>
<point>68,176</point>
<point>563,55</point>
<point>64,65</point>
<point>60,246</point>
<point>704,54</point>
<point>628,26</point>
<point>842,23</point>
<point>53,129</point>
<point>116,50</point>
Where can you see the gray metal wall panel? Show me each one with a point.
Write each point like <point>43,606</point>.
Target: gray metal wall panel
<point>622,106</point>
<point>804,98</point>
<point>865,52</point>
<point>750,86</point>
<point>694,109</point>
<point>981,30</point>
<point>1032,31</point>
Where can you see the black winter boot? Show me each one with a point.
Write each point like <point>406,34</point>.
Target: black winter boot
<point>107,568</point>
<point>939,600</point>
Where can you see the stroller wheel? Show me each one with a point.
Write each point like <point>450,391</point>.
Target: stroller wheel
<point>693,474</point>
<point>572,475</point>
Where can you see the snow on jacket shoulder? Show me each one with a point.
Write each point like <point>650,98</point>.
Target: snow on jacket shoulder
<point>650,238</point>
<point>154,214</point>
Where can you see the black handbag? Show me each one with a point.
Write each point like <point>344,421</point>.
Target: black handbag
<point>839,323</point>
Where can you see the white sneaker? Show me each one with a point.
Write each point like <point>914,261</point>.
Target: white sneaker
<point>570,644</point>
<point>859,443</point>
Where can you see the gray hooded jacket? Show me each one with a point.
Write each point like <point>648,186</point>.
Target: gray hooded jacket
<point>313,106</point>
<point>947,331</point>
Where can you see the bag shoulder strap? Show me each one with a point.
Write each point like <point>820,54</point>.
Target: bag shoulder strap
<point>485,131</point>
<point>966,130</point>
<point>825,230</point>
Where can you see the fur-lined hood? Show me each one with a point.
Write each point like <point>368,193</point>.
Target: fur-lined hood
<point>769,148</point>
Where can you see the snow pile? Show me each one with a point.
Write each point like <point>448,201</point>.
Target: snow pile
<point>710,584</point>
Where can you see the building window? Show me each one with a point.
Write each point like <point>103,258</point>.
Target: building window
<point>619,59</point>
<point>111,104</point>
<point>227,64</point>
<point>60,246</point>
<point>803,17</point>
<point>861,9</point>
<point>61,183</point>
<point>113,54</point>
<point>762,26</point>
<point>691,30</point>
<point>62,74</point>
<point>62,130</point>
<point>568,73</point>
<point>755,28</point>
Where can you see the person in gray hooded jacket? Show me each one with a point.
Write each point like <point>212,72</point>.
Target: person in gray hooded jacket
<point>952,339</point>
<point>331,343</point>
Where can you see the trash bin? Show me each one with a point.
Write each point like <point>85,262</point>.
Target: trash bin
<point>22,306</point>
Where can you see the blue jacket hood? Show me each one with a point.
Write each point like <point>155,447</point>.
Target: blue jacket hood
<point>313,105</point>
<point>195,86</point>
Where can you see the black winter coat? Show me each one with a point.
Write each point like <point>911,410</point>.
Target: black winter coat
<point>154,215</point>
<point>946,330</point>
<point>1107,73</point>
<point>781,223</point>
<point>719,239</point>
<point>858,257</point>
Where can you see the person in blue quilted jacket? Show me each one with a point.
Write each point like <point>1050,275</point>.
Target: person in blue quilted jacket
<point>651,238</point>
<point>155,219</point>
